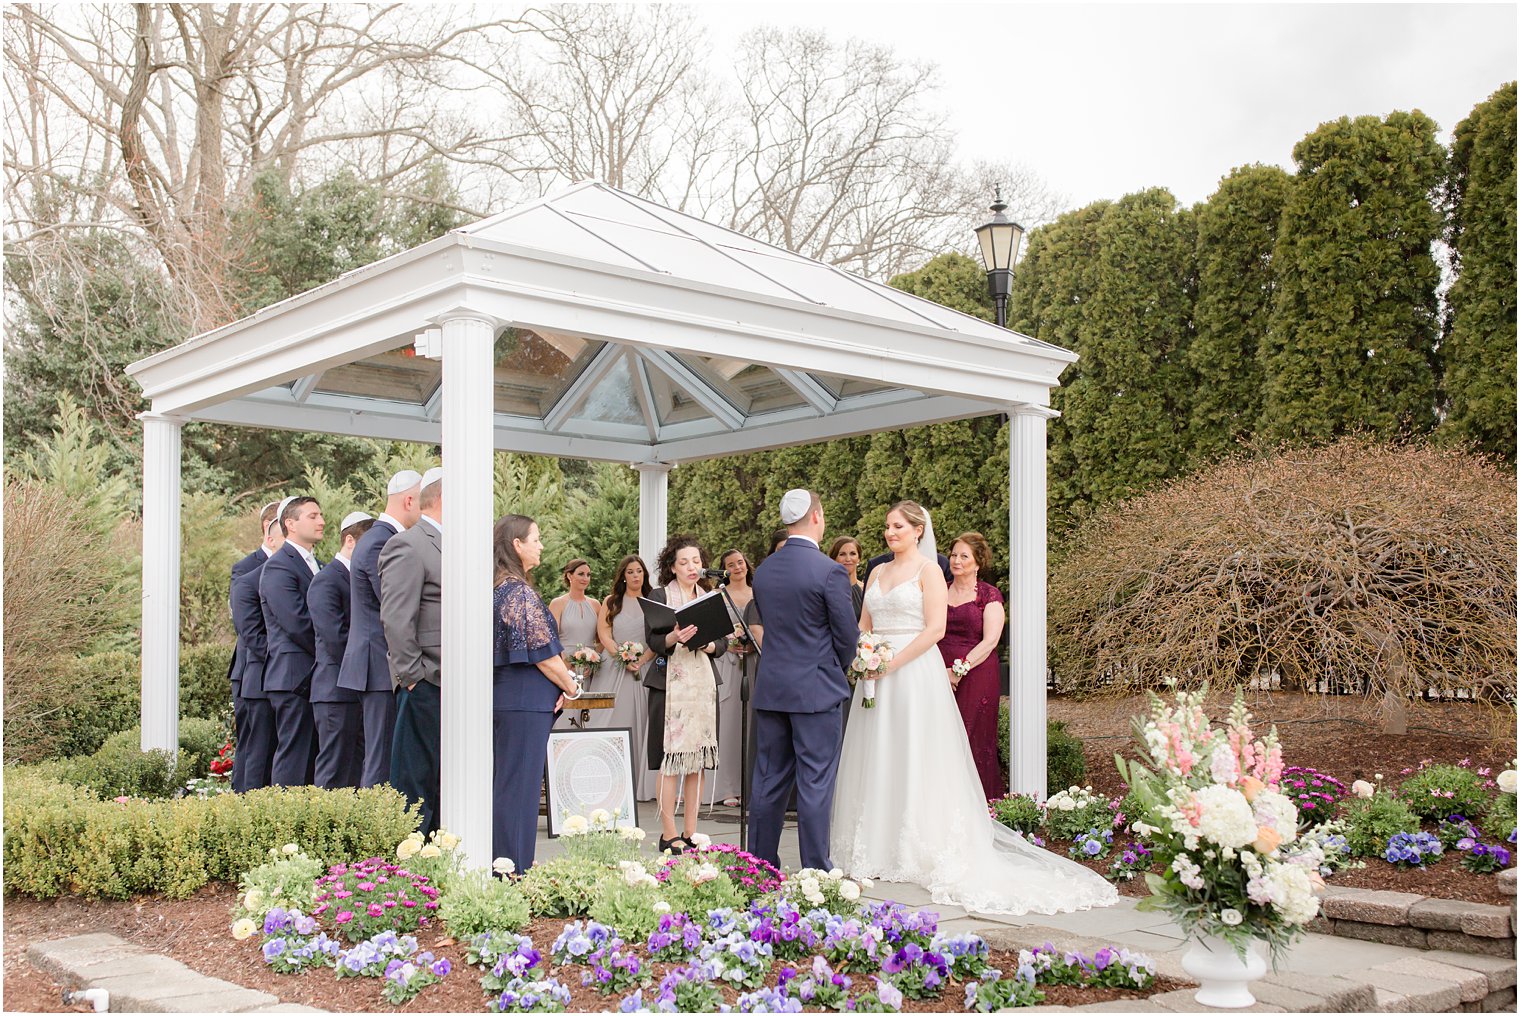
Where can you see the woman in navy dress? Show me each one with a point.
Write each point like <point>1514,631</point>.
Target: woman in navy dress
<point>530,682</point>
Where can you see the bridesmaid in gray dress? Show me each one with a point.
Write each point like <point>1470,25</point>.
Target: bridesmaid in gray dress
<point>623,621</point>
<point>578,617</point>
<point>729,779</point>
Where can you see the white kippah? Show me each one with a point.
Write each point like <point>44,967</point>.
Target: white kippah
<point>432,476</point>
<point>278,515</point>
<point>403,482</point>
<point>354,518</point>
<point>794,505</point>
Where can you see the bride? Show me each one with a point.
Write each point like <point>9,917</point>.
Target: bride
<point>908,802</point>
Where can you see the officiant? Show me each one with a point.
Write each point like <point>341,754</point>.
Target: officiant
<point>683,693</point>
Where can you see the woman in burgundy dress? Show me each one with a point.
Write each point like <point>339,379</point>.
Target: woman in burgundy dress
<point>973,624</point>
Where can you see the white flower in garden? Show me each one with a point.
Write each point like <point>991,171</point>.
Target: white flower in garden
<point>289,849</point>
<point>1362,789</point>
<point>448,841</point>
<point>849,890</point>
<point>601,817</point>
<point>865,883</point>
<point>810,887</point>
<point>1225,817</point>
<point>407,848</point>
<point>1506,781</point>
<point>575,825</point>
<point>661,907</point>
<point>701,840</point>
<point>631,833</point>
<point>243,928</point>
<point>431,850</point>
<point>253,898</point>
<point>417,837</point>
<point>1230,916</point>
<point>503,866</point>
<point>836,873</point>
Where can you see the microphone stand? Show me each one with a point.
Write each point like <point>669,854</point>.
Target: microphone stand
<point>744,773</point>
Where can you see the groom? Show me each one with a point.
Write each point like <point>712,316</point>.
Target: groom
<point>810,638</point>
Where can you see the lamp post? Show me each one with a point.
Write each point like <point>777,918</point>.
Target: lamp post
<point>1000,237</point>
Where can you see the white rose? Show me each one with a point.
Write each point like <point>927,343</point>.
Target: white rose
<point>1506,781</point>
<point>1230,916</point>
<point>290,848</point>
<point>1361,788</point>
<point>849,890</point>
<point>503,866</point>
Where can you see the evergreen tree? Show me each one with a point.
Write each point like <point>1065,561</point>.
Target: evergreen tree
<point>1237,231</point>
<point>1125,415</point>
<point>1479,350</point>
<point>599,523</point>
<point>951,280</point>
<point>1352,335</point>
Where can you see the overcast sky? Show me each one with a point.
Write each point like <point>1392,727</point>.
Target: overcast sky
<point>1102,100</point>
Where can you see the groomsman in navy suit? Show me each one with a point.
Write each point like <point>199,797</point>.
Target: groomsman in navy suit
<point>411,608</point>
<point>292,641</point>
<point>253,562</point>
<point>364,668</point>
<point>800,688</point>
<point>252,712</point>
<point>334,710</point>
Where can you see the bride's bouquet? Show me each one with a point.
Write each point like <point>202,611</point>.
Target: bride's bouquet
<point>629,654</point>
<point>584,662</point>
<point>872,654</point>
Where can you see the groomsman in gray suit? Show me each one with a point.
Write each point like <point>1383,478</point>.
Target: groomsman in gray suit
<point>335,711</point>
<point>364,668</point>
<point>411,609</point>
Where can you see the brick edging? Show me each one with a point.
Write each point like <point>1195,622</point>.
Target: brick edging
<point>1415,921</point>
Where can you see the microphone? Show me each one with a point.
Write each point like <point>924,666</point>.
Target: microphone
<point>718,575</point>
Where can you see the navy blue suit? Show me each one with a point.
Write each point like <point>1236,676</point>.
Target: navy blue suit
<point>364,669</point>
<point>810,639</point>
<point>522,701</point>
<point>292,659</point>
<point>335,711</point>
<point>256,726</point>
<point>234,665</point>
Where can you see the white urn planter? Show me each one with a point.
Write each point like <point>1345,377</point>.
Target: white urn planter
<point>1224,979</point>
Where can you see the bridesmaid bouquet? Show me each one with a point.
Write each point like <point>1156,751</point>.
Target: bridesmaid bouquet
<point>872,654</point>
<point>736,639</point>
<point>584,662</point>
<point>629,653</point>
<point>960,668</point>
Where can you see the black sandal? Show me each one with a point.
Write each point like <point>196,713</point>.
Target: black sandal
<point>676,845</point>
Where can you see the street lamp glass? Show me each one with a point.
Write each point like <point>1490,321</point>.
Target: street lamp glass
<point>1000,240</point>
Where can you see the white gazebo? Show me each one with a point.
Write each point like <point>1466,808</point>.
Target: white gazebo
<point>591,324</point>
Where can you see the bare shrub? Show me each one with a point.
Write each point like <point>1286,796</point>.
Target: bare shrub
<point>1352,567</point>
<point>64,594</point>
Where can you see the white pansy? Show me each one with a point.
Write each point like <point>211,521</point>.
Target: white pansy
<point>1506,781</point>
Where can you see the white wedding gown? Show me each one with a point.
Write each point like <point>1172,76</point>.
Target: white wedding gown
<point>908,802</point>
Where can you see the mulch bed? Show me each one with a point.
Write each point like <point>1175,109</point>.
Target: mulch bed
<point>196,932</point>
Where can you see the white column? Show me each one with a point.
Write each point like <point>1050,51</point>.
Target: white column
<point>468,446</point>
<point>1026,586</point>
<point>160,582</point>
<point>654,485</point>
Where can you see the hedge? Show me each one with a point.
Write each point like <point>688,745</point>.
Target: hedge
<point>64,840</point>
<point>1065,762</point>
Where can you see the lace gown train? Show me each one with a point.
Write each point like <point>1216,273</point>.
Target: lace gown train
<point>908,803</point>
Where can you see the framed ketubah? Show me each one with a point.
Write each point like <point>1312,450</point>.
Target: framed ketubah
<point>589,770</point>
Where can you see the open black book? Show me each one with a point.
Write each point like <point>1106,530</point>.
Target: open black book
<point>708,612</point>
